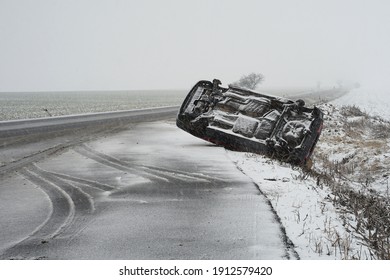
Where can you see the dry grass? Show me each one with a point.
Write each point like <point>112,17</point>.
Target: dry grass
<point>366,214</point>
<point>352,111</point>
<point>350,163</point>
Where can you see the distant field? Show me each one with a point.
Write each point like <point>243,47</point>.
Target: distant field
<point>26,105</point>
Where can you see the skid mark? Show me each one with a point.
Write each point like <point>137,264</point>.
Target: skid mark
<point>149,172</point>
<point>60,216</point>
<point>194,176</point>
<point>172,175</point>
<point>70,208</point>
<point>93,184</point>
<point>62,207</point>
<point>82,201</point>
<point>117,164</point>
<point>114,163</point>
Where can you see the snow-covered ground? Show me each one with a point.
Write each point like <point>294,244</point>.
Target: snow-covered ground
<point>310,219</point>
<point>373,101</point>
<point>350,164</point>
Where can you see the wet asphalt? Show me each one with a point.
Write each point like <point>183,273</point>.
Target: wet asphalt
<point>145,191</point>
<point>130,186</point>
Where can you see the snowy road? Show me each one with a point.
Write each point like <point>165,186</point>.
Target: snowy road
<point>25,141</point>
<point>148,192</point>
<point>144,191</point>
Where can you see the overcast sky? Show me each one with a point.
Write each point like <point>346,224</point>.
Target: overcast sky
<point>49,45</point>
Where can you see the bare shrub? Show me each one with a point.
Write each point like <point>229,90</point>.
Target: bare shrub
<point>379,127</point>
<point>352,111</point>
<point>250,81</point>
<point>350,164</point>
<point>370,212</point>
<point>381,130</point>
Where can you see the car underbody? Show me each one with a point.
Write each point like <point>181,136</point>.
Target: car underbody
<point>244,120</point>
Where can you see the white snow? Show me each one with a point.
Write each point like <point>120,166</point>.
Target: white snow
<point>305,208</point>
<point>245,126</point>
<point>373,101</point>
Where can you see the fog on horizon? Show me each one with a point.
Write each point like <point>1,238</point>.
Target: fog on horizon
<point>54,45</point>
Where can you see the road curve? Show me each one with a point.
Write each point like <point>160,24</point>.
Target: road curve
<point>53,124</point>
<point>150,191</point>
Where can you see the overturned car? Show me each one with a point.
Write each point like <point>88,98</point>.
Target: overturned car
<point>243,120</point>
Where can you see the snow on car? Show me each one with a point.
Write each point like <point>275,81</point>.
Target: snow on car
<point>244,120</point>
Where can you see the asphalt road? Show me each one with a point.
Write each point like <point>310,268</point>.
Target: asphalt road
<point>84,121</point>
<point>128,185</point>
<point>145,191</point>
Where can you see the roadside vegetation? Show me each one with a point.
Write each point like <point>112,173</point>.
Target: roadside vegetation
<point>250,81</point>
<point>340,208</point>
<point>352,159</point>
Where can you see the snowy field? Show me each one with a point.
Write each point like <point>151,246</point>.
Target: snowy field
<point>374,102</point>
<point>28,105</point>
<point>332,211</point>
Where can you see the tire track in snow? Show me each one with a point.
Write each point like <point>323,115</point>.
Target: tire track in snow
<point>70,208</point>
<point>151,173</point>
<point>193,176</point>
<point>83,202</point>
<point>114,163</point>
<point>92,184</point>
<point>61,215</point>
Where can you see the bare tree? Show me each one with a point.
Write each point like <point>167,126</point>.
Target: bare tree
<point>249,81</point>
